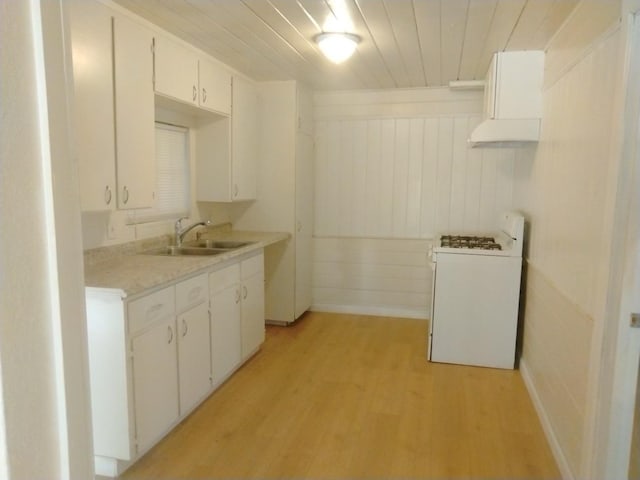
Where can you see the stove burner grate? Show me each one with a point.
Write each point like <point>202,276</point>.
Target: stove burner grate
<point>469,241</point>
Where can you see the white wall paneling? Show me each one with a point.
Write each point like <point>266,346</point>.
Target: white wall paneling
<point>567,197</point>
<point>408,178</point>
<point>372,276</point>
<point>393,169</point>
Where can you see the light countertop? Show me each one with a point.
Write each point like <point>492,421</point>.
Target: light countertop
<point>129,272</point>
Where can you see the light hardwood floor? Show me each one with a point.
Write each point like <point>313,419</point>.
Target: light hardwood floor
<point>344,396</point>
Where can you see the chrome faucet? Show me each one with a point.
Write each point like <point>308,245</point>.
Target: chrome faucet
<point>181,232</point>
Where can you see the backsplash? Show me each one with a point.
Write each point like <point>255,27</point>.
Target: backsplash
<point>103,229</point>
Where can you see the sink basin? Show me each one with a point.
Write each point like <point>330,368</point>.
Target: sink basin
<point>174,251</point>
<point>222,244</point>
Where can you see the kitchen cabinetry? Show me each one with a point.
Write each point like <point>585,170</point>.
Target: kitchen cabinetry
<point>215,87</point>
<point>156,356</point>
<point>226,330</point>
<point>237,315</point>
<point>114,110</point>
<point>134,113</point>
<point>513,85</point>
<point>194,350</point>
<point>93,103</point>
<point>182,74</point>
<point>151,322</point>
<point>252,283</point>
<point>176,70</point>
<point>228,149</point>
<point>286,193</point>
<point>244,142</point>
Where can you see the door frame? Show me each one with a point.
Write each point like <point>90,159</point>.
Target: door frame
<point>610,440</point>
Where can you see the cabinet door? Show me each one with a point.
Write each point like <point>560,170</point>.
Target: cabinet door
<point>93,89</point>
<point>304,222</point>
<point>215,87</point>
<point>135,112</point>
<point>252,292</point>
<point>155,381</point>
<point>194,360</point>
<point>176,71</point>
<point>225,332</point>
<point>244,141</point>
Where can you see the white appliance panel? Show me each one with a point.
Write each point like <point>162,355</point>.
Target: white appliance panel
<point>475,309</point>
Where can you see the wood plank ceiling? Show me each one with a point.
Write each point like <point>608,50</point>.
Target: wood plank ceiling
<point>405,43</point>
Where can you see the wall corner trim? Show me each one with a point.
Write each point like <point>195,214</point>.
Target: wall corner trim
<point>554,444</point>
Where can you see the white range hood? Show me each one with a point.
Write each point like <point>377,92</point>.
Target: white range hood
<point>512,100</point>
<point>505,133</point>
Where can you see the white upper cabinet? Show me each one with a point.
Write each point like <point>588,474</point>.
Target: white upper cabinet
<point>215,87</point>
<point>135,113</point>
<point>244,141</point>
<point>183,75</point>
<point>513,88</point>
<point>176,70</point>
<point>93,103</point>
<point>228,150</point>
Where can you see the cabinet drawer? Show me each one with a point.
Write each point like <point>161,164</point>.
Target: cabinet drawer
<point>153,307</point>
<point>223,278</point>
<point>191,292</point>
<point>252,265</point>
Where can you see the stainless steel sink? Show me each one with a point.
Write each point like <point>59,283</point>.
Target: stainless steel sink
<point>174,251</point>
<point>223,244</point>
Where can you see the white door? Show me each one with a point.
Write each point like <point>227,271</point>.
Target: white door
<point>304,221</point>
<point>623,460</point>
<point>244,140</point>
<point>252,313</point>
<point>135,114</point>
<point>193,356</point>
<point>176,70</point>
<point>93,89</point>
<point>225,332</point>
<point>215,87</point>
<point>155,382</point>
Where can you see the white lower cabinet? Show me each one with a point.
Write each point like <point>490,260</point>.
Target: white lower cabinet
<point>154,358</point>
<point>194,350</point>
<point>252,282</point>
<point>226,331</point>
<point>155,382</point>
<point>237,315</point>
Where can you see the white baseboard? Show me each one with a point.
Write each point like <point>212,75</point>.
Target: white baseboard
<point>369,310</point>
<point>561,460</point>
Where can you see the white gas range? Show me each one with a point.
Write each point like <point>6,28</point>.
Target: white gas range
<point>476,295</point>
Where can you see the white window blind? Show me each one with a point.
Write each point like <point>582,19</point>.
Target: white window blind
<point>172,196</point>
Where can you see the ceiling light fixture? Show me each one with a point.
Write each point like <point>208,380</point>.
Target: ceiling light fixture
<point>337,46</point>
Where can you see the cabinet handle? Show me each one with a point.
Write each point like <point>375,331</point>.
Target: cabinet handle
<point>194,293</point>
<point>235,190</point>
<point>152,311</point>
<point>244,292</point>
<point>237,295</point>
<point>107,195</point>
<point>185,327</point>
<point>204,95</point>
<point>195,93</point>
<point>125,194</point>
<point>298,225</point>
<point>169,334</point>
